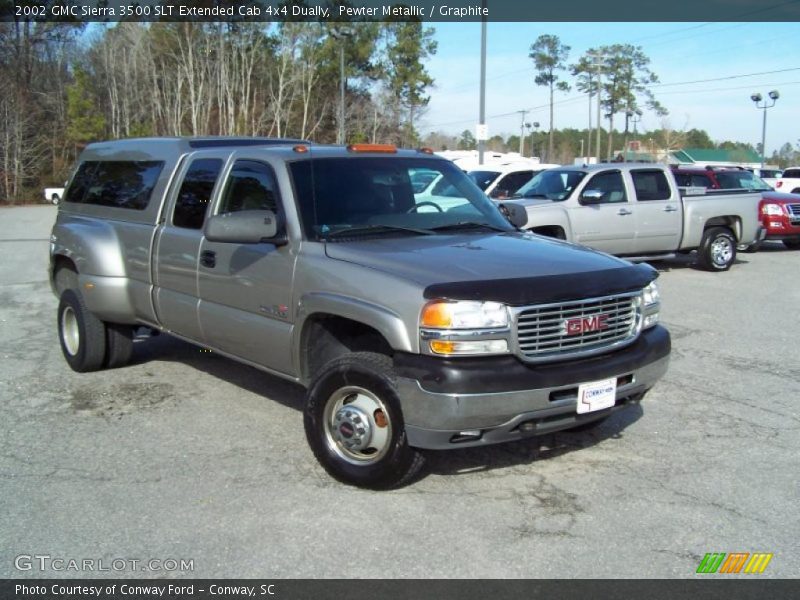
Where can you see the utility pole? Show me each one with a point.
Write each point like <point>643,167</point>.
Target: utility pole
<point>589,131</point>
<point>341,34</point>
<point>482,143</point>
<point>597,63</point>
<point>522,131</point>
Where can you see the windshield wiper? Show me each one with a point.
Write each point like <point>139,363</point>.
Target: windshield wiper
<point>469,225</point>
<point>373,229</point>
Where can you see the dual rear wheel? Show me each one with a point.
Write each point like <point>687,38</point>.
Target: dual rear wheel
<point>89,344</point>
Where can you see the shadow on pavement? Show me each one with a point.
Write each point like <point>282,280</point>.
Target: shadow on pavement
<point>444,462</point>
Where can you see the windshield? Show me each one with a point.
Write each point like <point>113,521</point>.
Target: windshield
<point>376,196</point>
<point>553,184</point>
<point>483,179</point>
<point>740,179</point>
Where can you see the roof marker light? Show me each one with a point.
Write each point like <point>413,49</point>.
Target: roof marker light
<point>384,148</point>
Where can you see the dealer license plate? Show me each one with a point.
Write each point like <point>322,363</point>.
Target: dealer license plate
<point>597,395</point>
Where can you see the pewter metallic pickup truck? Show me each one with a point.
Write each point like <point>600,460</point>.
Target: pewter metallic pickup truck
<point>412,325</point>
<point>637,211</point>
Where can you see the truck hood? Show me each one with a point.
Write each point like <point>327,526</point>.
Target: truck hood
<point>781,196</point>
<point>516,268</point>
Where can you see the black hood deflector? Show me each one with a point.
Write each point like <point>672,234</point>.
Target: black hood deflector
<point>549,288</point>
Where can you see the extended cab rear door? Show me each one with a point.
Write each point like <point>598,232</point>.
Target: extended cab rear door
<point>658,208</point>
<point>177,248</point>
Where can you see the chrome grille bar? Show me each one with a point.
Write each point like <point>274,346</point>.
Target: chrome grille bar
<point>576,328</point>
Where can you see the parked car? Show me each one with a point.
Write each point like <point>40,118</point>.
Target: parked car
<point>637,211</point>
<point>718,178</point>
<point>502,180</point>
<point>768,175</point>
<point>54,194</point>
<point>410,328</point>
<point>780,217</point>
<point>789,181</point>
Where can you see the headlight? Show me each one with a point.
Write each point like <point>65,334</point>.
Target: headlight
<point>464,328</point>
<point>774,210</point>
<point>464,315</point>
<point>651,301</point>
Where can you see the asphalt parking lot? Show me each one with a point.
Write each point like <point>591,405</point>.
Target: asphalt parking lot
<point>187,455</point>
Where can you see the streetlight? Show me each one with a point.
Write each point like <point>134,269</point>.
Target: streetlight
<point>341,33</point>
<point>757,98</point>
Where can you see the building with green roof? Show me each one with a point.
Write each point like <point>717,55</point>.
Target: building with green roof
<point>702,157</point>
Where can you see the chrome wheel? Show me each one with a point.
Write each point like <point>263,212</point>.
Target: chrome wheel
<point>70,331</point>
<point>721,251</point>
<point>357,425</point>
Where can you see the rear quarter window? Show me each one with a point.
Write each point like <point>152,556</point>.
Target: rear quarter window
<point>119,184</point>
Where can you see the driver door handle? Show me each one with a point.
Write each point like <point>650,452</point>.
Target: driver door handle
<point>670,208</point>
<point>208,258</point>
<point>624,211</point>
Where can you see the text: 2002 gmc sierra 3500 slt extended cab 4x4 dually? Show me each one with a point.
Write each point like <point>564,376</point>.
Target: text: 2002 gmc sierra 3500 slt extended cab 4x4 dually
<point>412,325</point>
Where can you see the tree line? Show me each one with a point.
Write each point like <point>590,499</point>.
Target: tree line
<point>66,85</point>
<point>568,142</point>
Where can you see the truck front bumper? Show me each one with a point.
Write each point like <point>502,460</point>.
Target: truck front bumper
<point>450,403</point>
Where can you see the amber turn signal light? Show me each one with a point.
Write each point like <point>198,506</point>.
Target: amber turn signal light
<point>385,148</point>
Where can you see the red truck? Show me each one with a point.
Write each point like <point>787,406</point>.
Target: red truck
<point>778,212</point>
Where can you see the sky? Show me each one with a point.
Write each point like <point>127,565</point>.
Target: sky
<point>679,53</point>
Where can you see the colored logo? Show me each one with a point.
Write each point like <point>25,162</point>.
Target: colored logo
<point>734,562</point>
<point>585,324</point>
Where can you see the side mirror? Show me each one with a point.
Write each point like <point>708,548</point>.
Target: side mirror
<point>591,197</point>
<point>244,227</point>
<point>515,213</point>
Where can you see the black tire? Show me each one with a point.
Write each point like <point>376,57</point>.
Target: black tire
<point>717,250</point>
<point>396,462</point>
<point>119,345</point>
<point>792,244</point>
<point>81,334</point>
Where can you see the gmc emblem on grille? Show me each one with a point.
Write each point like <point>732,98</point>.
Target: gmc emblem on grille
<point>585,324</point>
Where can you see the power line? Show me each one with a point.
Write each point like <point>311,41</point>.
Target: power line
<point>729,77</point>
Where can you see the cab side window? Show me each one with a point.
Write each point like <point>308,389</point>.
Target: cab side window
<point>650,185</point>
<point>610,185</point>
<point>251,185</point>
<point>195,193</point>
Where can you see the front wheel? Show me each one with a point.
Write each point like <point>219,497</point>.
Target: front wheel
<point>717,250</point>
<point>354,424</point>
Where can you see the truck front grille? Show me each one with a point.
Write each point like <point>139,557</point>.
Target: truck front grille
<point>794,211</point>
<point>577,328</point>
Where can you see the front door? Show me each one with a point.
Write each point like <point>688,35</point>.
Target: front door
<point>246,289</point>
<point>606,223</point>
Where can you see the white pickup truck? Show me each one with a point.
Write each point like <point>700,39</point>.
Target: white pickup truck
<point>53,194</point>
<point>789,181</point>
<point>637,211</point>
